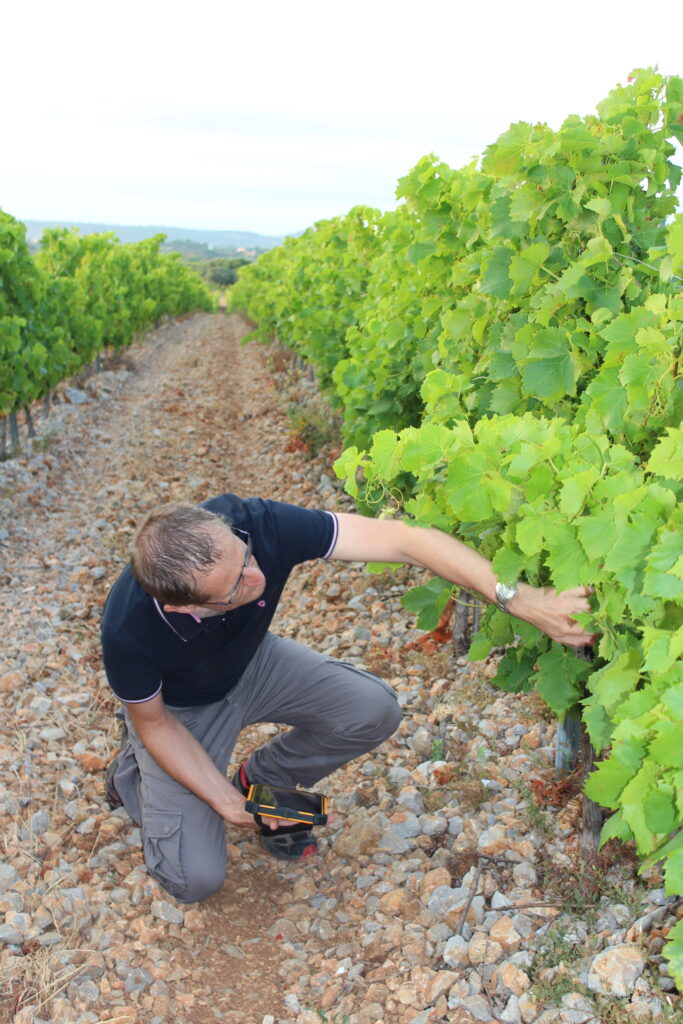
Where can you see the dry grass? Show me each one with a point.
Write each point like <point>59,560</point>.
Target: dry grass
<point>37,976</point>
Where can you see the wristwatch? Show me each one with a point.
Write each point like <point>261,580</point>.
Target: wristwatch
<point>504,595</point>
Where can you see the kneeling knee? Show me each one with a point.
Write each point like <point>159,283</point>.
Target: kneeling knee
<point>391,719</point>
<point>195,887</point>
<point>381,719</point>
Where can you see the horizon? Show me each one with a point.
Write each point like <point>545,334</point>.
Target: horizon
<point>69,222</point>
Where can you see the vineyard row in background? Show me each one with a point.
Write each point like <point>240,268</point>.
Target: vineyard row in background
<point>77,295</point>
<point>504,351</point>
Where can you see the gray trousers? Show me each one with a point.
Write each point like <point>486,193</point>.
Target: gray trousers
<point>337,711</point>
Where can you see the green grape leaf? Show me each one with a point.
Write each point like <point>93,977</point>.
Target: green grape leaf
<point>672,699</point>
<point>598,250</point>
<point>634,797</point>
<point>384,454</point>
<point>524,266</point>
<point>558,679</point>
<point>666,749</point>
<point>664,572</point>
<point>426,511</point>
<point>456,323</point>
<point>613,683</point>
<point>515,672</point>
<point>606,398</point>
<point>504,156</point>
<point>673,951</point>
<point>602,207</point>
<point>480,647</point>
<point>346,466</point>
<point>467,494</point>
<point>662,648</point>
<point>422,448</point>
<point>673,881</point>
<point>566,559</point>
<point>496,280</point>
<point>576,489</point>
<point>509,563</point>
<point>606,783</point>
<point>598,723</point>
<point>428,601</point>
<point>661,814</point>
<point>665,849</point>
<point>419,250</point>
<point>674,243</point>
<point>615,828</point>
<point>441,391</point>
<point>667,457</point>
<point>549,369</point>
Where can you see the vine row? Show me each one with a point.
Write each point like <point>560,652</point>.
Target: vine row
<point>59,309</point>
<point>505,351</point>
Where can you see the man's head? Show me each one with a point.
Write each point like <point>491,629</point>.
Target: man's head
<point>190,560</point>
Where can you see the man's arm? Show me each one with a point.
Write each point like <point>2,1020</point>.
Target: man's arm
<point>182,757</point>
<point>380,540</point>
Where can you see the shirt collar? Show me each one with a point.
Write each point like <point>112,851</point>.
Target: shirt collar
<point>184,625</point>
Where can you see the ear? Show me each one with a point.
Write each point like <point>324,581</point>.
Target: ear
<point>183,609</point>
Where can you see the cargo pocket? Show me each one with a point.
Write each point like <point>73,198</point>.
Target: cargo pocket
<point>161,832</point>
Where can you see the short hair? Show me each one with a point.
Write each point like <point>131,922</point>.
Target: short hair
<point>173,546</point>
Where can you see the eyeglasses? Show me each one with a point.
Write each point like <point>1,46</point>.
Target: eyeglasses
<point>230,599</point>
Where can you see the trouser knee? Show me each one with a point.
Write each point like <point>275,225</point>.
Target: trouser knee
<point>181,855</point>
<point>193,889</point>
<point>377,719</point>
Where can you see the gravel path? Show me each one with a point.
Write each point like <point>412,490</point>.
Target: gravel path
<point>447,886</point>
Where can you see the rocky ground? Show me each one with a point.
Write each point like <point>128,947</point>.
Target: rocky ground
<point>448,886</point>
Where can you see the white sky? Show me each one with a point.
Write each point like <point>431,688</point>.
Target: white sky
<point>267,116</point>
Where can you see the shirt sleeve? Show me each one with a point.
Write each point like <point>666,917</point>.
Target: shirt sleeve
<point>132,678</point>
<point>302,533</point>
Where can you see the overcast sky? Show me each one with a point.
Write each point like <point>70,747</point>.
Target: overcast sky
<point>267,116</point>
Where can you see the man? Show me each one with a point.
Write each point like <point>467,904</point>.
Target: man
<point>187,651</point>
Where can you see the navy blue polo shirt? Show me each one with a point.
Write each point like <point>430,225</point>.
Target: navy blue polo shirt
<point>148,650</point>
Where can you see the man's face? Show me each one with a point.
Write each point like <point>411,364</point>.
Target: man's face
<point>234,580</point>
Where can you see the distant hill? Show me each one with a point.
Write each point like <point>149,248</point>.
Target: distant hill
<point>215,239</point>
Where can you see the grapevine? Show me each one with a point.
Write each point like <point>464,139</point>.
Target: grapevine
<point>506,350</point>
<point>79,294</point>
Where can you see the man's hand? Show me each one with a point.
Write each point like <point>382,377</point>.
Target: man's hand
<point>233,812</point>
<point>553,613</point>
<point>376,540</point>
<point>177,751</point>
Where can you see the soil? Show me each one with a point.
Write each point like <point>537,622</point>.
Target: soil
<point>189,413</point>
<point>198,416</point>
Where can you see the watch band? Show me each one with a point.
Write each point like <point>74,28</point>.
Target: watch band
<point>504,594</point>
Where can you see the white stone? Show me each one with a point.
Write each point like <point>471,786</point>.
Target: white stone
<point>165,911</point>
<point>512,1013</point>
<point>615,971</point>
<point>455,952</point>
<point>524,874</point>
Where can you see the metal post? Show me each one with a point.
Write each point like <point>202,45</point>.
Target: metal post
<point>568,742</point>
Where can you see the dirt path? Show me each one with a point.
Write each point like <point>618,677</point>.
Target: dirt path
<point>425,903</point>
<point>195,416</point>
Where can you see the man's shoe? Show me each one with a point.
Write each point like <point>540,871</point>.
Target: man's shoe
<point>111,795</point>
<point>289,842</point>
<point>293,842</point>
<point>239,779</point>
